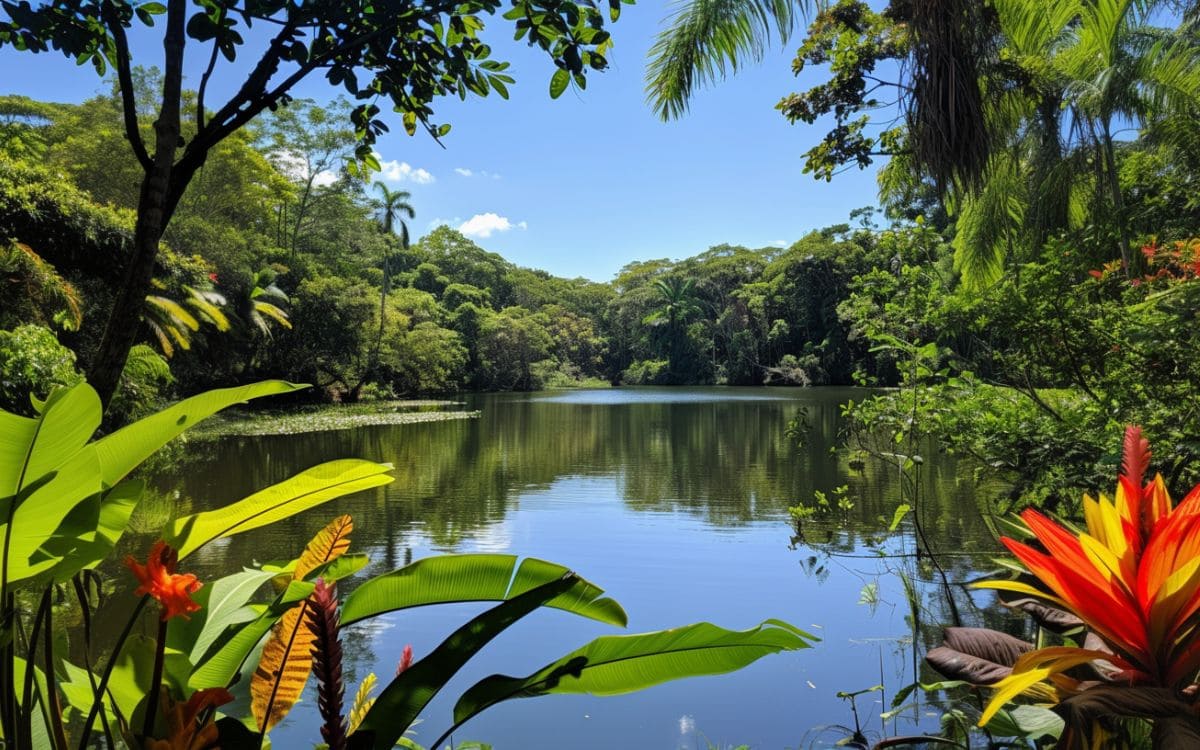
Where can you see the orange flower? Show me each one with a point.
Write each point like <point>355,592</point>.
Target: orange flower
<point>159,579</point>
<point>184,732</point>
<point>1133,578</point>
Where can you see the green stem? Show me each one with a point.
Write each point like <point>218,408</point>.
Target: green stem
<point>30,654</point>
<point>155,678</point>
<point>98,697</point>
<point>53,705</point>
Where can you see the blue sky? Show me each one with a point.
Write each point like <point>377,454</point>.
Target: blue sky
<point>581,185</point>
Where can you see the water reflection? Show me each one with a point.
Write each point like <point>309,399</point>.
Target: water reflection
<point>675,500</point>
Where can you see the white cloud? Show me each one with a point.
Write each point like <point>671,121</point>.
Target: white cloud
<point>485,225</point>
<point>464,172</point>
<point>401,171</point>
<point>324,179</point>
<point>435,223</point>
<point>779,243</point>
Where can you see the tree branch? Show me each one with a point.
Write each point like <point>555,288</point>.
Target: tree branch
<point>212,63</point>
<point>254,84</point>
<point>125,83</point>
<point>220,127</point>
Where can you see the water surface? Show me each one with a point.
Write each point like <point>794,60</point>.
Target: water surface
<point>673,500</point>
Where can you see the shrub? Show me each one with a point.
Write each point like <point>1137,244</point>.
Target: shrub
<point>647,372</point>
<point>32,362</point>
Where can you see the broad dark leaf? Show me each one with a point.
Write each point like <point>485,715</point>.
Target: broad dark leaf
<point>1176,731</point>
<point>1043,613</point>
<point>976,655</point>
<point>983,643</point>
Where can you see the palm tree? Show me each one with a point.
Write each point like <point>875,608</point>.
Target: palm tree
<point>1084,65</point>
<point>949,46</point>
<point>677,304</point>
<point>173,323</point>
<point>392,207</point>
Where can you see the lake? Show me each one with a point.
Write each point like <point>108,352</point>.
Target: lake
<point>675,501</point>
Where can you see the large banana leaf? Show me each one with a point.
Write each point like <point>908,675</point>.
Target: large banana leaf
<point>124,449</point>
<point>398,706</point>
<point>286,660</point>
<point>305,490</point>
<point>53,445</point>
<point>90,531</point>
<point>56,443</point>
<point>474,578</point>
<point>612,665</point>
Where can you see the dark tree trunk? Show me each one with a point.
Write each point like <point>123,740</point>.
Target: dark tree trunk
<point>161,189</point>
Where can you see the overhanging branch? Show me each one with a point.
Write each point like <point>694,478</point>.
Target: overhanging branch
<point>125,82</point>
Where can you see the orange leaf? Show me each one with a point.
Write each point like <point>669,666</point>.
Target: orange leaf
<point>286,658</point>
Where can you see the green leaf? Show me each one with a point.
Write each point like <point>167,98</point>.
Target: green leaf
<point>902,510</point>
<point>223,603</point>
<point>224,658</point>
<point>129,446</point>
<point>612,665</point>
<point>296,494</point>
<point>559,82</point>
<point>90,532</point>
<point>474,578</point>
<point>1027,722</point>
<point>398,706</point>
<point>30,449</point>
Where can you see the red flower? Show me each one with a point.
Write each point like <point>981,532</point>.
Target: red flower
<point>159,579</point>
<point>406,660</point>
<point>212,277</point>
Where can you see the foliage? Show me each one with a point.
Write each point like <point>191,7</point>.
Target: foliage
<point>32,361</point>
<point>369,52</point>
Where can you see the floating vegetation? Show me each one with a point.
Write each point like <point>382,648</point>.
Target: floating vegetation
<point>328,417</point>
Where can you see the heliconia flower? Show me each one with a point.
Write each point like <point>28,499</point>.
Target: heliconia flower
<point>159,579</point>
<point>1133,578</point>
<point>184,731</point>
<point>406,660</point>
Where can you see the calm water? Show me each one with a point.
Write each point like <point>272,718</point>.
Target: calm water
<point>674,501</point>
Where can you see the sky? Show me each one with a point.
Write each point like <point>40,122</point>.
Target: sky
<point>581,185</point>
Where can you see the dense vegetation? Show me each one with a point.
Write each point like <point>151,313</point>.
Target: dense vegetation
<point>283,261</point>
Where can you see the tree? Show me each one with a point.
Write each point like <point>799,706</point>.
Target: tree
<point>945,48</point>
<point>312,145</point>
<point>370,49</point>
<point>393,207</point>
<point>677,305</point>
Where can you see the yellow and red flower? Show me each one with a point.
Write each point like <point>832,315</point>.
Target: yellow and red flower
<point>1133,577</point>
<point>159,579</point>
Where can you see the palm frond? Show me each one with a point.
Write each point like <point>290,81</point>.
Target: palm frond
<point>207,305</point>
<point>989,225</point>
<point>703,40</point>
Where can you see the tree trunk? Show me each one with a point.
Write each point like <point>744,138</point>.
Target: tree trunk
<point>1118,201</point>
<point>161,189</point>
